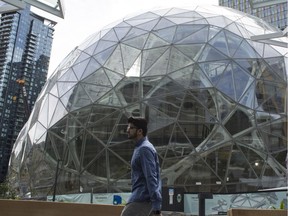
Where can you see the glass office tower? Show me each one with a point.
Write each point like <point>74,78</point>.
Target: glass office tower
<point>273,13</point>
<point>215,101</point>
<point>25,47</point>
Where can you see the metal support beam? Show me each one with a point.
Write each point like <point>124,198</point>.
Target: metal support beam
<point>57,10</point>
<point>268,38</point>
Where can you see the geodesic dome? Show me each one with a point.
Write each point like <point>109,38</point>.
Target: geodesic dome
<point>214,99</point>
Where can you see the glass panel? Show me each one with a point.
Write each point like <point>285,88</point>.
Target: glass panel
<point>151,56</point>
<point>129,55</point>
<point>79,98</point>
<point>91,150</point>
<point>64,87</point>
<point>115,61</point>
<point>270,97</point>
<point>211,54</point>
<point>278,66</point>
<point>245,51</point>
<point>137,42</point>
<point>148,26</point>
<point>121,32</point>
<point>110,36</point>
<point>166,34</point>
<point>114,78</point>
<point>238,122</point>
<point>226,83</point>
<point>98,78</point>
<point>92,66</point>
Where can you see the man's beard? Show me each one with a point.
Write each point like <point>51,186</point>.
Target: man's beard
<point>131,136</point>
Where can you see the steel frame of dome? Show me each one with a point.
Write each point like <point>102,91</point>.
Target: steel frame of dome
<point>54,7</point>
<point>215,101</point>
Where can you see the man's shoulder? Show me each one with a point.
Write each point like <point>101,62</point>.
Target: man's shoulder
<point>146,145</point>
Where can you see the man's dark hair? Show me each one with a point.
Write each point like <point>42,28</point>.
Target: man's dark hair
<point>139,123</point>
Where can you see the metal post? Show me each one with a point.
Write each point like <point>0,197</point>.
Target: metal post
<point>56,179</point>
<point>202,197</point>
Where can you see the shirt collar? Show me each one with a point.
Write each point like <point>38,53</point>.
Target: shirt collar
<point>141,141</point>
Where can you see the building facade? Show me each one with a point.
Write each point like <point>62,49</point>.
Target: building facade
<point>25,47</point>
<point>215,101</point>
<point>273,13</point>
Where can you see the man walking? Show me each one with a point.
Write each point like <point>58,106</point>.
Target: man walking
<point>146,198</point>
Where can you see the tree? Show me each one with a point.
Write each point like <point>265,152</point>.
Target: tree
<point>6,191</point>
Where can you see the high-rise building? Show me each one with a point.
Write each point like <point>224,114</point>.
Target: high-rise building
<point>272,11</point>
<point>25,48</point>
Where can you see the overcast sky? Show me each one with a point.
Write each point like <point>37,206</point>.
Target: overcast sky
<point>85,17</point>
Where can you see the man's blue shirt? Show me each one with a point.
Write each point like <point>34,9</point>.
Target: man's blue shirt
<point>145,175</point>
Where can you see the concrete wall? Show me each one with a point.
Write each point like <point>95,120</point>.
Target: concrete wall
<point>43,208</point>
<point>257,212</point>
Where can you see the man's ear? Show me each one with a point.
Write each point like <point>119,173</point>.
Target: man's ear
<point>140,131</point>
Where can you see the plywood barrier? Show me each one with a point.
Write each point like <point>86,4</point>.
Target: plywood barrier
<point>43,208</point>
<point>256,212</point>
